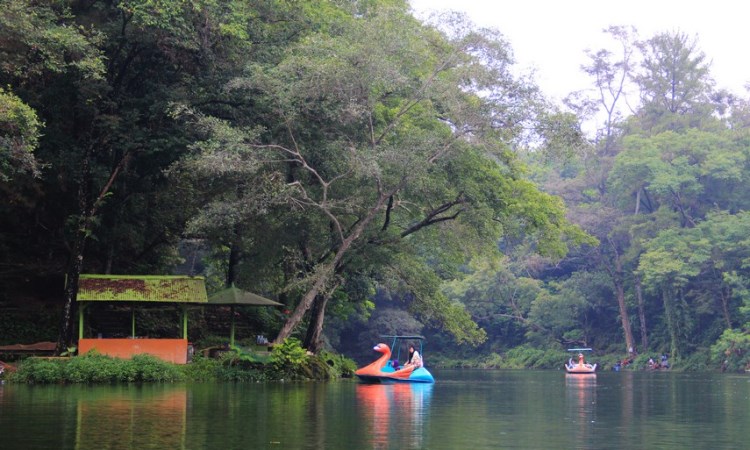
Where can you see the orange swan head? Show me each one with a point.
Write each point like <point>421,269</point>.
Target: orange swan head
<point>374,367</point>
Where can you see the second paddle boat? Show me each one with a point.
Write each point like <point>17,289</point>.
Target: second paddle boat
<point>581,367</point>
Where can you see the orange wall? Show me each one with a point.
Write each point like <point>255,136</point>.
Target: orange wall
<point>172,350</point>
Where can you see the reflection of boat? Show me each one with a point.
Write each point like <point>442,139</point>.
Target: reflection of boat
<point>395,412</point>
<point>581,406</point>
<point>387,370</point>
<point>580,367</point>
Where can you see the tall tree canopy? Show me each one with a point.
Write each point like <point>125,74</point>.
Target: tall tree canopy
<point>389,136</point>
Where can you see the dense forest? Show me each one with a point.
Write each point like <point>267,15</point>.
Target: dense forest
<point>376,174</point>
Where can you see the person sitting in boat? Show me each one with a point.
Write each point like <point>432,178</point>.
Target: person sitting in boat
<point>580,359</point>
<point>415,360</point>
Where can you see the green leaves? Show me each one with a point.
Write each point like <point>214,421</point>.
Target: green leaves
<point>20,129</point>
<point>41,38</point>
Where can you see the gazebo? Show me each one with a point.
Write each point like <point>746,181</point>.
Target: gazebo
<point>132,290</point>
<point>233,297</point>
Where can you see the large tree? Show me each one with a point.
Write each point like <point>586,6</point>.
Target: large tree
<point>383,130</point>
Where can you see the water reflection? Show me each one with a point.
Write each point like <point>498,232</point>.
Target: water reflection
<point>127,419</point>
<point>466,409</point>
<point>395,412</point>
<point>580,393</point>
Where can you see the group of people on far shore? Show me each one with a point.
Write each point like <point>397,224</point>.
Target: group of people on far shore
<point>653,364</point>
<point>662,364</point>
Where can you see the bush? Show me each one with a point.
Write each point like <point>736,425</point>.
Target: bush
<point>732,351</point>
<point>96,368</point>
<point>37,370</point>
<point>240,365</point>
<point>201,369</point>
<point>151,368</point>
<point>340,365</point>
<point>93,368</point>
<point>289,360</point>
<point>526,357</point>
<point>493,361</point>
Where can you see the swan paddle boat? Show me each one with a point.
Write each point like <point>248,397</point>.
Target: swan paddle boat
<point>387,370</point>
<point>580,367</point>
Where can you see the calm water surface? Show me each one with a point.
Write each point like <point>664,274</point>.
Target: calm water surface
<point>463,410</point>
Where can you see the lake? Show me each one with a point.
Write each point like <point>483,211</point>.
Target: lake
<point>464,409</point>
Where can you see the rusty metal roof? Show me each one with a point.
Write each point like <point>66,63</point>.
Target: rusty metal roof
<point>141,288</point>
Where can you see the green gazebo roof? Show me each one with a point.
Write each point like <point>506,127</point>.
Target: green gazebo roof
<point>236,296</point>
<point>141,288</point>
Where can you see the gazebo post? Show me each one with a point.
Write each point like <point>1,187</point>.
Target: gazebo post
<point>184,322</point>
<point>231,330</point>
<point>80,320</point>
<point>132,321</point>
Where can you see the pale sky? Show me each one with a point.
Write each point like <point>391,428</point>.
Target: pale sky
<point>552,35</point>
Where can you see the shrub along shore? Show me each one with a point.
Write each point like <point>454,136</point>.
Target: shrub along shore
<point>288,361</point>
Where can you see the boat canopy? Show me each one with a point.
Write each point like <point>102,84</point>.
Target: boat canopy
<point>580,350</point>
<point>403,337</point>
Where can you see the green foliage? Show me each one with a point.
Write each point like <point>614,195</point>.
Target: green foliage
<point>289,357</point>
<point>46,41</point>
<point>242,372</point>
<point>526,357</point>
<point>38,370</point>
<point>732,351</point>
<point>349,136</point>
<point>20,129</point>
<point>698,361</point>
<point>151,368</point>
<point>202,369</point>
<point>96,368</point>
<point>341,366</point>
<point>240,355</point>
<point>28,325</point>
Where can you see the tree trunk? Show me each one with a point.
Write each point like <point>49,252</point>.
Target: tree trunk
<point>234,261</point>
<point>65,338</point>
<point>641,313</point>
<point>618,280</point>
<point>313,341</point>
<point>315,327</point>
<point>321,279</point>
<point>323,275</point>
<point>624,319</point>
<point>669,313</point>
<point>724,296</point>
<point>85,221</point>
<point>638,201</point>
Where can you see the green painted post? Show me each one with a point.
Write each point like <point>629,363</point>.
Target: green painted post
<point>231,330</point>
<point>184,322</point>
<point>132,322</point>
<point>80,321</point>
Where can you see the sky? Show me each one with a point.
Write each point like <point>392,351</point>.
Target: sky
<point>551,36</point>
